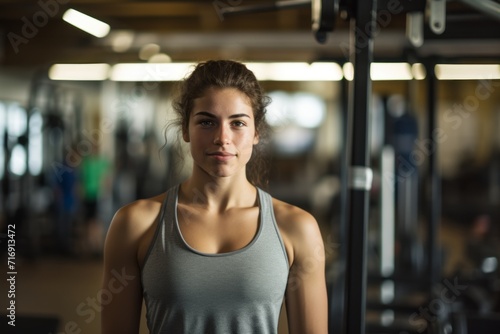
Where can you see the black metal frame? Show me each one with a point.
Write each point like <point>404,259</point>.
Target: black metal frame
<point>363,15</point>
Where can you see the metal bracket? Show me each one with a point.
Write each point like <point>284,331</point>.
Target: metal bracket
<point>415,28</point>
<point>438,16</point>
<point>360,178</point>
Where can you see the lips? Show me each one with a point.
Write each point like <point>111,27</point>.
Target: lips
<point>219,155</point>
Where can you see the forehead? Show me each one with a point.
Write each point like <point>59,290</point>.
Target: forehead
<point>223,99</point>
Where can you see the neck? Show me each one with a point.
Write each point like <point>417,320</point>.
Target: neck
<point>217,194</point>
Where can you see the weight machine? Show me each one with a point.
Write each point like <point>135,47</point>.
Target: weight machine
<point>356,171</point>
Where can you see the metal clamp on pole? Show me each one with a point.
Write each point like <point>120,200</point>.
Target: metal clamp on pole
<point>438,16</point>
<point>415,28</point>
<point>360,178</point>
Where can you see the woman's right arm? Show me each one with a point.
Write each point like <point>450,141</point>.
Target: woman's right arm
<point>121,294</point>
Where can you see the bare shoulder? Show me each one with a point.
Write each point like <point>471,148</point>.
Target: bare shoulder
<point>299,229</point>
<point>133,225</point>
<point>137,215</point>
<point>291,217</point>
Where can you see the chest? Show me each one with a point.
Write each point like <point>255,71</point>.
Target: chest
<point>214,233</point>
<point>257,273</point>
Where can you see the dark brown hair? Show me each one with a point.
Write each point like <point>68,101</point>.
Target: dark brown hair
<point>229,74</point>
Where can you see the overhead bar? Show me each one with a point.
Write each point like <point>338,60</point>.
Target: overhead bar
<point>247,9</point>
<point>488,7</point>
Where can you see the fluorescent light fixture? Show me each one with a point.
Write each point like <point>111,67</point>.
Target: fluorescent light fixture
<point>79,72</point>
<point>467,71</point>
<point>296,71</point>
<point>158,69</point>
<point>140,72</point>
<point>388,71</point>
<point>86,23</point>
<point>263,71</point>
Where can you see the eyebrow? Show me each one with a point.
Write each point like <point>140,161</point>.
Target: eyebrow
<point>208,114</point>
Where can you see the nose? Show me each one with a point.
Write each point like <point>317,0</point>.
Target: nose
<point>222,135</point>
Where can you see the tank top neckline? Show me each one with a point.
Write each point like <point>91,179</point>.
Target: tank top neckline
<point>233,252</point>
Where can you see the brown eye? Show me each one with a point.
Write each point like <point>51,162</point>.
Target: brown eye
<point>206,123</point>
<point>238,124</point>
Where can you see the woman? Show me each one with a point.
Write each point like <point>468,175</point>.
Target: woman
<point>215,254</point>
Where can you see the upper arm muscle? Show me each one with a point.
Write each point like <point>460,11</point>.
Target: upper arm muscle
<point>306,301</point>
<point>121,278</point>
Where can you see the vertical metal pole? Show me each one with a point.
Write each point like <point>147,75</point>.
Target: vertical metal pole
<point>337,302</point>
<point>361,54</point>
<point>434,204</point>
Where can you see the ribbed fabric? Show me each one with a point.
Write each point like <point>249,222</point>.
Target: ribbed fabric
<point>187,291</point>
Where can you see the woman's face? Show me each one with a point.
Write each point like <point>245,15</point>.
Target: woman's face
<point>221,132</point>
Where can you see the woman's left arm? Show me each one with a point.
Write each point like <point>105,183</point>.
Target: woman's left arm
<point>306,296</point>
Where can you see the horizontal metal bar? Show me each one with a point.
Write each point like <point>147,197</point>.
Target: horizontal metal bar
<point>488,7</point>
<point>285,4</point>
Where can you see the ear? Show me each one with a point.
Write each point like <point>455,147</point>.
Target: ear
<point>256,138</point>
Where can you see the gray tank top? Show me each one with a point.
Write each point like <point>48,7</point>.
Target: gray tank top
<point>187,291</point>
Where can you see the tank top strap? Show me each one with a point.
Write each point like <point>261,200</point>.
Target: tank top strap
<point>269,220</point>
<point>164,230</point>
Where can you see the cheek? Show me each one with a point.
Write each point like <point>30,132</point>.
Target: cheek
<point>249,142</point>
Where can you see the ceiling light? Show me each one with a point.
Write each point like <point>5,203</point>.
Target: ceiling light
<point>160,58</point>
<point>263,71</point>
<point>122,40</point>
<point>148,51</point>
<point>390,71</point>
<point>79,72</point>
<point>86,23</point>
<point>467,71</point>
<point>150,72</point>
<point>296,71</point>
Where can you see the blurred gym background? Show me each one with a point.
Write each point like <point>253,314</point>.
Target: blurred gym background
<point>83,130</point>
